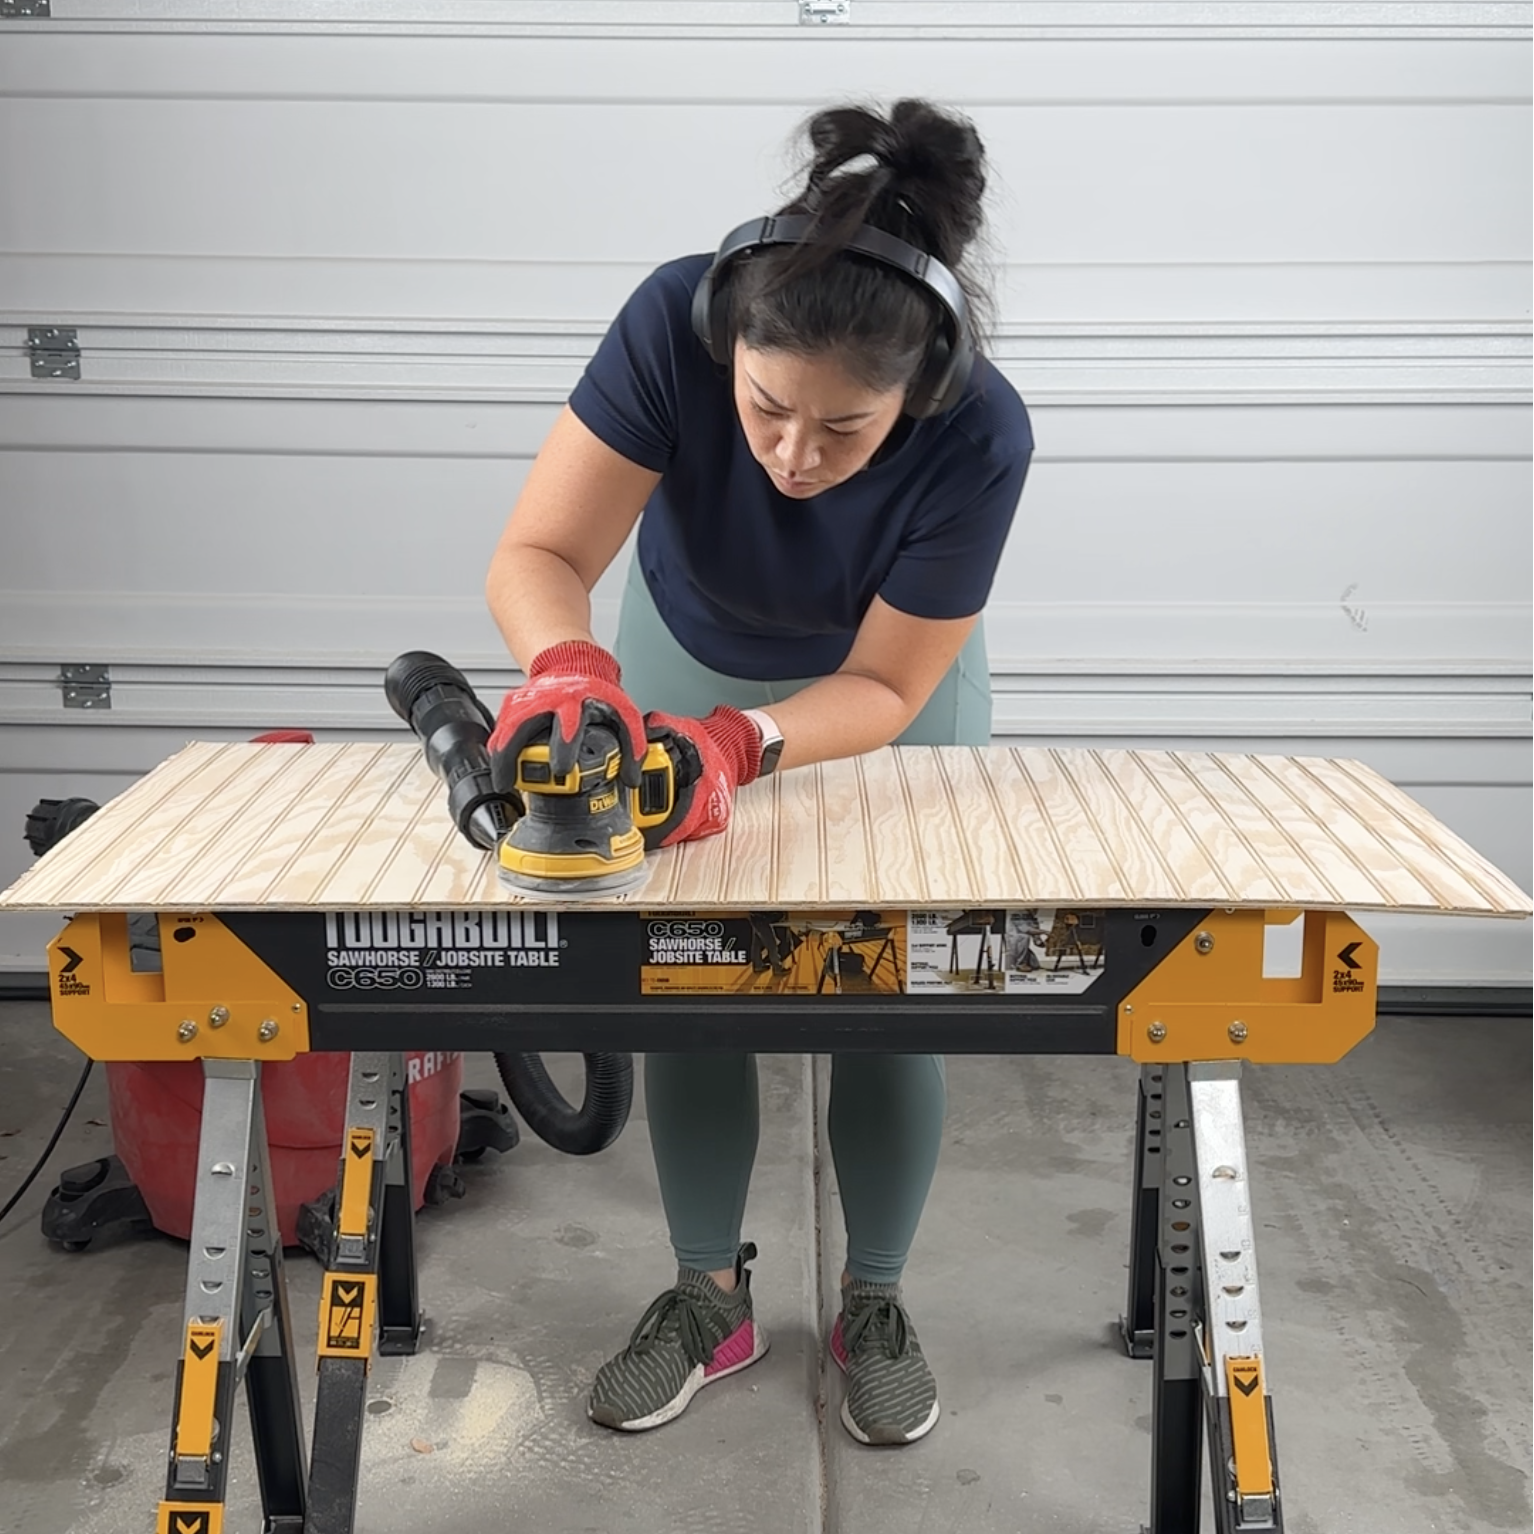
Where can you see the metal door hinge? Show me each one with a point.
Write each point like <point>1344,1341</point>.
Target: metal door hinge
<point>36,9</point>
<point>55,351</point>
<point>86,686</point>
<point>825,13</point>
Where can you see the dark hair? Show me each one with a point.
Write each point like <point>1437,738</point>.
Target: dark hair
<point>922,180</point>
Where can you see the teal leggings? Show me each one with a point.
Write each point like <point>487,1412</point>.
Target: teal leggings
<point>886,1115</point>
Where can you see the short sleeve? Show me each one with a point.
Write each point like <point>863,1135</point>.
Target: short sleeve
<point>628,395</point>
<point>946,566</point>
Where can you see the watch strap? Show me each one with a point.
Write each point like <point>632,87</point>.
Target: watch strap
<point>772,739</point>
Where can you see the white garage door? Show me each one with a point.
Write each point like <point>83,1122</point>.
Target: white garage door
<point>327,272</point>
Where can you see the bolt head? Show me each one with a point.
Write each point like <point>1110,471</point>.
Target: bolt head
<point>1156,1033</point>
<point>1204,942</point>
<point>267,1031</point>
<point>218,1017</point>
<point>1237,1032</point>
<point>187,1031</point>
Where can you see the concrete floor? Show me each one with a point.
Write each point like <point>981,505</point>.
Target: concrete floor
<point>1393,1193</point>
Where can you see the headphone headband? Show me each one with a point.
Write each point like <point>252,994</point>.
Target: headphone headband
<point>944,373</point>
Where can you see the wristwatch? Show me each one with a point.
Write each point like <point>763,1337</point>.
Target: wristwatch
<point>772,740</point>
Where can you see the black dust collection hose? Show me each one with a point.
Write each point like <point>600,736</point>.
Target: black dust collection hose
<point>579,1131</point>
<point>435,699</point>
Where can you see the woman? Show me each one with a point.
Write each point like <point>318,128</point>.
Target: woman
<point>827,471</point>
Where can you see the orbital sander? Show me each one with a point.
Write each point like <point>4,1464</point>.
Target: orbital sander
<point>580,834</point>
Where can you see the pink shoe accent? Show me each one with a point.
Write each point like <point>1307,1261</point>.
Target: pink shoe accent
<point>838,1346</point>
<point>736,1349</point>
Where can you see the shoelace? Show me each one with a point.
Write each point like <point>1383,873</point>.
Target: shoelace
<point>883,1322</point>
<point>674,1313</point>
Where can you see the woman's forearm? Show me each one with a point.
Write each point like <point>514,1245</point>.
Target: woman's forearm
<point>537,600</point>
<point>896,663</point>
<point>843,714</point>
<point>580,501</point>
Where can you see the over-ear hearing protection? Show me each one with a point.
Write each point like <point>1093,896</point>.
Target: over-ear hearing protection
<point>939,383</point>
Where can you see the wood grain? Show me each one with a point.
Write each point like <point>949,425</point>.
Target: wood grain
<point>353,826</point>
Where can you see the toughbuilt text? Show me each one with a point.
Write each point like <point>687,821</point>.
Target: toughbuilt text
<point>377,932</point>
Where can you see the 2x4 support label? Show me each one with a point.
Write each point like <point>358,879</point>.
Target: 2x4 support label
<point>348,1305</point>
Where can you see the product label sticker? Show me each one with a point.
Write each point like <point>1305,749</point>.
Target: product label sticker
<point>1024,951</point>
<point>776,953</point>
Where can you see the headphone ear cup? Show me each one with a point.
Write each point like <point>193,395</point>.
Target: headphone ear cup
<point>944,376</point>
<point>719,347</point>
<point>711,313</point>
<point>702,311</point>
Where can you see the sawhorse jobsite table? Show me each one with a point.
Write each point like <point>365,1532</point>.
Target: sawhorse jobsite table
<point>318,898</point>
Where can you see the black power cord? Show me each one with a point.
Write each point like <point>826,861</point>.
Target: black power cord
<point>50,821</point>
<point>58,1130</point>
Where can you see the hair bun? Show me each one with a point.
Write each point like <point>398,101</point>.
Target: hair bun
<point>937,157</point>
<point>919,171</point>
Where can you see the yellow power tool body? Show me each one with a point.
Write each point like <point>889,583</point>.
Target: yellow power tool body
<point>585,833</point>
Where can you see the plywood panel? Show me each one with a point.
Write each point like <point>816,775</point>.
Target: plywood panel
<point>1121,828</point>
<point>213,839</point>
<point>753,841</point>
<point>284,841</point>
<point>1335,827</point>
<point>377,845</point>
<point>1035,841</point>
<point>238,827</point>
<point>972,801</point>
<point>64,866</point>
<point>702,870</point>
<point>894,852</point>
<point>1088,862</point>
<point>146,822</point>
<point>1450,859</point>
<point>798,876</point>
<point>1152,803</point>
<point>1276,845</point>
<point>347,823</point>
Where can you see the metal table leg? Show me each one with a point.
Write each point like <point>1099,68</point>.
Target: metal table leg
<point>236,1323</point>
<point>1176,1413</point>
<point>1208,1322</point>
<point>1243,1464</point>
<point>1137,1325</point>
<point>371,1277</point>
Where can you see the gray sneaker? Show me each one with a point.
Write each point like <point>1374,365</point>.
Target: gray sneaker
<point>690,1336</point>
<point>891,1394</point>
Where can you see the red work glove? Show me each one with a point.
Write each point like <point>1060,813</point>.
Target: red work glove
<point>713,757</point>
<point>569,686</point>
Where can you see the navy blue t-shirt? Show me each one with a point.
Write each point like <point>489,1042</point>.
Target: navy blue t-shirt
<point>756,584</point>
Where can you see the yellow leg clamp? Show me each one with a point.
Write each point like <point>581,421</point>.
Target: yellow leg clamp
<point>199,1389</point>
<point>356,1182</point>
<point>1249,1427</point>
